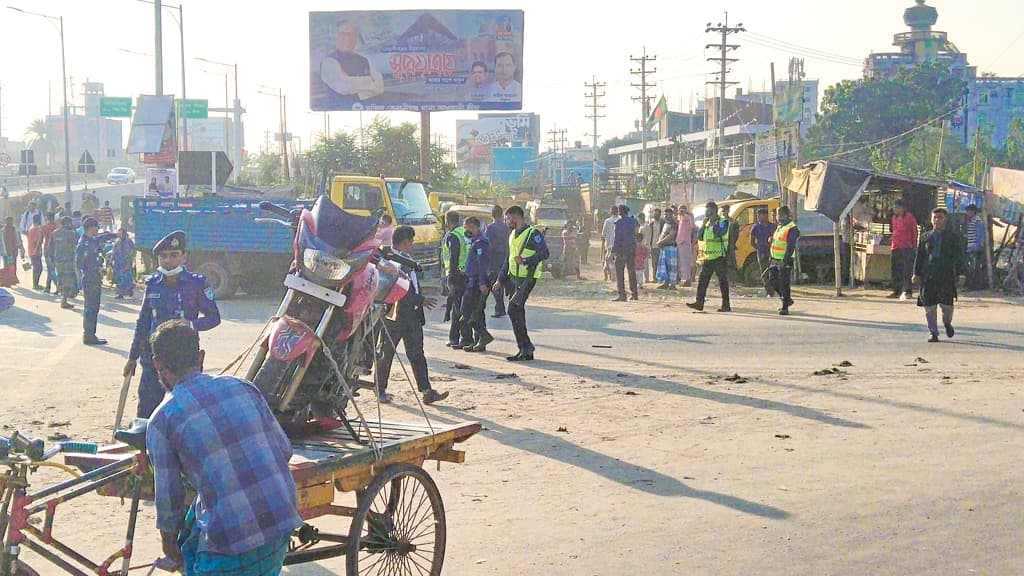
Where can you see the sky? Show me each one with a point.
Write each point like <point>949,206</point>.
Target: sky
<point>566,45</point>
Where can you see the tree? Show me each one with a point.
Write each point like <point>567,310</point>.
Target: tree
<point>855,113</point>
<point>263,169</point>
<point>36,134</point>
<point>602,150</point>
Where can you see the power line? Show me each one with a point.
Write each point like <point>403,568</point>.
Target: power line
<point>899,136</point>
<point>594,107</point>
<point>723,61</point>
<point>643,72</point>
<point>789,50</point>
<point>808,49</point>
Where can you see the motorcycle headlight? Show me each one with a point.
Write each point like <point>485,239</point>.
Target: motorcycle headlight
<point>324,267</point>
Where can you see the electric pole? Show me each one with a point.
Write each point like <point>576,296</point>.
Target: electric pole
<point>643,72</point>
<point>557,142</point>
<point>723,60</point>
<point>593,96</point>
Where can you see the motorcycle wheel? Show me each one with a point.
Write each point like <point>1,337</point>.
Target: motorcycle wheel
<point>269,378</point>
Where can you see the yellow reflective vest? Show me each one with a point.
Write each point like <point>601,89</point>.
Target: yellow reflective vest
<point>780,240</point>
<point>517,247</point>
<point>714,248</point>
<point>446,253</point>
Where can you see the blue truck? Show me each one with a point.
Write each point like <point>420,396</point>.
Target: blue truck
<point>225,244</point>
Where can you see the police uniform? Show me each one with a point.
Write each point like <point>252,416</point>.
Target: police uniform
<point>454,254</point>
<point>780,270</point>
<point>475,336</point>
<point>89,263</point>
<point>717,237</point>
<point>184,295</point>
<point>519,279</point>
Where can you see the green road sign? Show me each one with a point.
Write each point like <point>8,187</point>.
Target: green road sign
<point>115,107</point>
<point>194,108</point>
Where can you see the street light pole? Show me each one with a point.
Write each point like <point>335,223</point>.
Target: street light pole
<point>58,22</point>
<point>159,50</point>
<point>237,120</point>
<point>180,21</point>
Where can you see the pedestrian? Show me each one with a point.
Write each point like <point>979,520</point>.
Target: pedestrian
<point>217,434</point>
<point>607,239</point>
<point>624,247</point>
<point>497,236</point>
<point>716,234</point>
<point>904,248</point>
<point>761,234</point>
<point>172,292</point>
<point>584,243</point>
<point>642,254</point>
<point>939,269</point>
<point>783,247</point>
<point>975,234</point>
<point>123,256</point>
<point>385,230</point>
<point>519,275</point>
<point>35,250</point>
<point>570,255</point>
<point>88,205</point>
<point>668,251</point>
<point>28,216</point>
<point>454,254</point>
<point>685,233</point>
<point>655,226</point>
<point>64,210</point>
<point>12,247</point>
<point>405,324</point>
<point>64,241</point>
<point>105,215</point>
<point>88,263</point>
<point>475,336</point>
<point>76,219</point>
<point>644,243</point>
<point>49,228</point>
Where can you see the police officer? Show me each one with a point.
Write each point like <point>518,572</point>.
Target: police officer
<point>717,236</point>
<point>780,269</point>
<point>475,336</point>
<point>89,264</point>
<point>454,254</point>
<point>526,250</point>
<point>172,292</point>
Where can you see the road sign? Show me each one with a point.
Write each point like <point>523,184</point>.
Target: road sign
<point>194,168</point>
<point>194,108</point>
<point>28,157</point>
<point>86,165</point>
<point>5,158</point>
<point>115,107</point>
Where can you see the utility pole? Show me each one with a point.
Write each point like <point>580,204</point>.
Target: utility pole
<point>643,72</point>
<point>593,96</point>
<point>723,61</point>
<point>558,163</point>
<point>159,50</point>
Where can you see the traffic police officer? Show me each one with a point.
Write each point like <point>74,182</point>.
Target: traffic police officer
<point>475,336</point>
<point>172,292</point>
<point>780,270</point>
<point>526,250</point>
<point>454,254</point>
<point>716,234</point>
<point>89,264</point>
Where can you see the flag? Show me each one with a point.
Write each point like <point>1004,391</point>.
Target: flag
<point>659,112</point>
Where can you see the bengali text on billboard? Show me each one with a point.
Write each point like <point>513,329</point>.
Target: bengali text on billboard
<point>477,137</point>
<point>420,60</point>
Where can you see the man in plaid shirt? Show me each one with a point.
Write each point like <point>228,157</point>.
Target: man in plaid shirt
<point>219,435</point>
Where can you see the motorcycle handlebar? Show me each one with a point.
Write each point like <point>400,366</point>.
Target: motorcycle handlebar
<point>276,209</point>
<point>407,262</point>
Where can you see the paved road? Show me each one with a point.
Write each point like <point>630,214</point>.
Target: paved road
<point>630,448</point>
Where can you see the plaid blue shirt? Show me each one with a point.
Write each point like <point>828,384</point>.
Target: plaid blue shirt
<point>218,434</point>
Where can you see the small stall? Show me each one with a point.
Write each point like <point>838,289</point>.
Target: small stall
<point>860,203</point>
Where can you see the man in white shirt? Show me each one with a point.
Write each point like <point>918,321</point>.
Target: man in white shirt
<point>607,240</point>
<point>350,77</point>
<point>505,87</point>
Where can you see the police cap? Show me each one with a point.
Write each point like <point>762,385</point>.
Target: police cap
<point>173,241</point>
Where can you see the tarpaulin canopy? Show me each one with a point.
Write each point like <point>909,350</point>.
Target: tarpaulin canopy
<point>829,188</point>
<point>1007,194</point>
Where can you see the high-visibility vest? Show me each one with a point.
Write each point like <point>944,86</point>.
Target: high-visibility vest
<point>517,247</point>
<point>780,240</point>
<point>446,253</point>
<point>714,248</point>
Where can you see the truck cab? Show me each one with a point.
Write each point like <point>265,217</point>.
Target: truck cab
<point>403,199</point>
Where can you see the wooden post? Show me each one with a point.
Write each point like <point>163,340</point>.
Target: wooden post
<point>424,146</point>
<point>988,232</point>
<point>838,255</point>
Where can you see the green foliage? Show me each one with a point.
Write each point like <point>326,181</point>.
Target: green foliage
<point>263,169</point>
<point>37,140</point>
<point>602,150</point>
<point>659,179</point>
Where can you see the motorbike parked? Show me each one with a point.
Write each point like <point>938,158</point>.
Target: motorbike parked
<point>322,339</point>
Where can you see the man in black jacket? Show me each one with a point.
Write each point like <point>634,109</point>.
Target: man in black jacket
<point>939,267</point>
<point>407,327</point>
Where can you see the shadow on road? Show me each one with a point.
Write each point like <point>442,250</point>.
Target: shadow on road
<point>25,320</point>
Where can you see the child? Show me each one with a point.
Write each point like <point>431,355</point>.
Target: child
<point>642,254</point>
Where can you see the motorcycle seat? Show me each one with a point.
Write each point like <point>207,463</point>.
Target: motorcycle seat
<point>134,436</point>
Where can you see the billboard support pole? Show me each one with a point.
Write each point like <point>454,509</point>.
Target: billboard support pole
<point>424,146</point>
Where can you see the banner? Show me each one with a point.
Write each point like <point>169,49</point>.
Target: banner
<point>789,104</point>
<point>476,138</point>
<point>416,60</point>
<point>770,150</point>
<point>1007,194</point>
<point>162,182</point>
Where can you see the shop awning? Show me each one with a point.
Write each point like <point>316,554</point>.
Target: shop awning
<point>1007,201</point>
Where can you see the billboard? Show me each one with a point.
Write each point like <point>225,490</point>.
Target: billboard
<point>419,60</point>
<point>161,182</point>
<point>773,147</point>
<point>476,138</point>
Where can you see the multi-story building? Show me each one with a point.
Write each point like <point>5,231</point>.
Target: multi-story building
<point>101,137</point>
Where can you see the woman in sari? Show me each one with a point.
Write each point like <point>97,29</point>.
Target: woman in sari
<point>123,256</point>
<point>10,249</point>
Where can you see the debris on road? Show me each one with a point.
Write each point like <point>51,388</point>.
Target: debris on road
<point>845,364</point>
<point>61,424</point>
<point>783,436</point>
<point>829,372</point>
<point>509,376</point>
<point>920,360</point>
<point>562,429</point>
<point>631,393</point>
<point>600,346</point>
<point>736,378</point>
<point>462,367</point>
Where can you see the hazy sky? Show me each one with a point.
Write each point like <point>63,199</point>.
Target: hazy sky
<point>566,43</point>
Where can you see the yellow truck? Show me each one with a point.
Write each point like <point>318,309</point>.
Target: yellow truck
<point>403,199</point>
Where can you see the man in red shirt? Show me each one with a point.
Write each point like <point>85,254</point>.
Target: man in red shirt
<point>904,248</point>
<point>49,228</point>
<point>35,250</point>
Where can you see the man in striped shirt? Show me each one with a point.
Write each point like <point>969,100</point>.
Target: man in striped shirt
<point>974,234</point>
<point>219,435</point>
